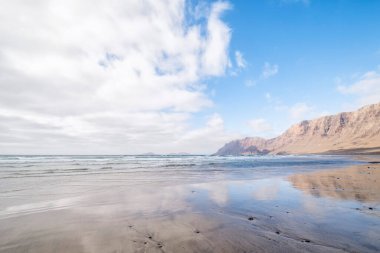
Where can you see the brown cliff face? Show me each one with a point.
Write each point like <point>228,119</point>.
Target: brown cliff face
<point>347,132</point>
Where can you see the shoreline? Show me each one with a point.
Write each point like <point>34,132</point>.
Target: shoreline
<point>300,212</point>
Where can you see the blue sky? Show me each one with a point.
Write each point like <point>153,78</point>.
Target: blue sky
<point>164,76</point>
<point>314,44</point>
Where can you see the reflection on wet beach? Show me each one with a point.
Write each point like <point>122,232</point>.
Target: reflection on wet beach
<point>326,210</point>
<point>359,182</point>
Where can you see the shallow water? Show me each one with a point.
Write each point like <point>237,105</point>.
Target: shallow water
<point>189,204</point>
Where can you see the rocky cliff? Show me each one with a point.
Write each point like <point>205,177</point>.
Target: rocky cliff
<point>348,132</point>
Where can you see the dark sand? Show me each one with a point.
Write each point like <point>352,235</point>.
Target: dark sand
<point>334,210</point>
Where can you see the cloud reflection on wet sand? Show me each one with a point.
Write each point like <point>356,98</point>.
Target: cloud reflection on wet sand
<point>321,211</point>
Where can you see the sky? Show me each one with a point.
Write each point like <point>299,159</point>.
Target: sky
<point>166,76</point>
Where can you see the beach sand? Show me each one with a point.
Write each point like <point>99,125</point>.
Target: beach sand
<point>330,210</point>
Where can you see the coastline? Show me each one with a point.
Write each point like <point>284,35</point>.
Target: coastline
<point>297,212</point>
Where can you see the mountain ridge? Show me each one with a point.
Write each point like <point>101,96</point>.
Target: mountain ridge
<point>355,132</point>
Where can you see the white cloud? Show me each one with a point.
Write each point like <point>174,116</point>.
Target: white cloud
<point>106,76</point>
<point>366,89</point>
<point>215,52</point>
<point>300,111</point>
<point>240,61</point>
<point>207,138</point>
<point>260,126</point>
<point>249,83</point>
<point>268,97</point>
<point>269,70</point>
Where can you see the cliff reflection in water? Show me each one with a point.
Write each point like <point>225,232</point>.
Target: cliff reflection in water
<point>359,182</point>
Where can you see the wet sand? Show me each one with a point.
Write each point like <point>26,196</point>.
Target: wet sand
<point>329,210</point>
